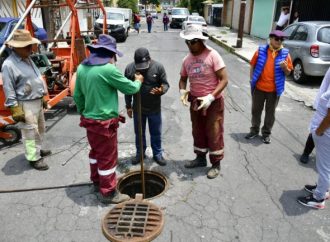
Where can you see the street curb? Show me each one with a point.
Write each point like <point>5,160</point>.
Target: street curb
<point>230,49</point>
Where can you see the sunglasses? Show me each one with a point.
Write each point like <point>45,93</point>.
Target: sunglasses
<point>278,38</point>
<point>192,42</point>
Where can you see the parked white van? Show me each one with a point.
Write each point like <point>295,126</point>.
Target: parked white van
<point>118,23</point>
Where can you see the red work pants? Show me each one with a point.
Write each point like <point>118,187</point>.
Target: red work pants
<point>102,137</point>
<point>207,131</point>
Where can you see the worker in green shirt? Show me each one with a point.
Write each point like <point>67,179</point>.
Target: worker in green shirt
<point>96,97</point>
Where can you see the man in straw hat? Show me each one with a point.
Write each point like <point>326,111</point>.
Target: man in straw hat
<point>98,80</point>
<point>24,90</point>
<point>207,75</point>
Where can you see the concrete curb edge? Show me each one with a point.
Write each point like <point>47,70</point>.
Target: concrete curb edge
<point>230,49</point>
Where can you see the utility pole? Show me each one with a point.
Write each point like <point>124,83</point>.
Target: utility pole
<point>239,42</point>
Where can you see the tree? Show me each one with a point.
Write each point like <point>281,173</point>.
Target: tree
<point>132,4</point>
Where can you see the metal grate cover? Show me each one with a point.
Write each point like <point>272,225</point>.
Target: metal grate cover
<point>135,221</point>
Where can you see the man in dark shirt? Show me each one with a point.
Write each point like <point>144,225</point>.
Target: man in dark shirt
<point>154,86</point>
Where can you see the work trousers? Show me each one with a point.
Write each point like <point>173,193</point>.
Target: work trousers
<point>261,99</point>
<point>102,138</point>
<point>33,129</point>
<point>207,131</point>
<point>309,146</point>
<point>155,130</point>
<point>322,144</point>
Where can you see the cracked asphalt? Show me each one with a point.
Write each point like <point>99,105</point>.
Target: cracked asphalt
<point>253,199</point>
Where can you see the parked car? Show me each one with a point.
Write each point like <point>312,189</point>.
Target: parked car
<point>178,16</point>
<point>309,45</point>
<point>154,14</point>
<point>117,25</point>
<point>197,20</point>
<point>195,14</point>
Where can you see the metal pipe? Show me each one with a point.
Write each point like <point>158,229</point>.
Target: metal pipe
<point>17,25</point>
<point>139,113</point>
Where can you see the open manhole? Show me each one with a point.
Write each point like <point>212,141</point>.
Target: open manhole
<point>131,184</point>
<point>133,221</point>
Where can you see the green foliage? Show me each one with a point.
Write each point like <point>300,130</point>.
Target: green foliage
<point>195,5</point>
<point>132,4</point>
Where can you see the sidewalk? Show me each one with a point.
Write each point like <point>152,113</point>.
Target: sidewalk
<point>227,38</point>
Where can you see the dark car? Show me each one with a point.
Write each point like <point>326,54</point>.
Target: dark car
<point>6,27</point>
<point>309,45</point>
<point>8,24</point>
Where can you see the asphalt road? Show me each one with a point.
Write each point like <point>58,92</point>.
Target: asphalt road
<point>254,198</point>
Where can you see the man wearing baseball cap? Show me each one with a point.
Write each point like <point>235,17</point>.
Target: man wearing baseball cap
<point>207,75</point>
<point>154,86</point>
<point>24,90</point>
<point>269,67</point>
<point>96,97</point>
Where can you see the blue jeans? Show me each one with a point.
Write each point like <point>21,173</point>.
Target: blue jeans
<point>149,27</point>
<point>155,130</point>
<point>165,27</point>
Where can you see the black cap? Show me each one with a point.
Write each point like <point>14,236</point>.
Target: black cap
<point>141,59</point>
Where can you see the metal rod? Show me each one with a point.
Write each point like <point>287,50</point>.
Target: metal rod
<point>17,25</point>
<point>139,113</point>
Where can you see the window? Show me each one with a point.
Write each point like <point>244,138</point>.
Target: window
<point>289,30</point>
<point>324,35</point>
<point>301,33</point>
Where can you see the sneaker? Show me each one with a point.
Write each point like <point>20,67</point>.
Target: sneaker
<point>266,139</point>
<point>311,189</point>
<point>136,159</point>
<point>251,135</point>
<point>304,158</point>
<point>200,161</point>
<point>114,197</point>
<point>39,165</point>
<point>310,201</point>
<point>213,172</point>
<point>160,160</point>
<point>44,153</point>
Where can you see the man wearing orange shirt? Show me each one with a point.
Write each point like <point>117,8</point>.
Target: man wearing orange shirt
<point>269,67</point>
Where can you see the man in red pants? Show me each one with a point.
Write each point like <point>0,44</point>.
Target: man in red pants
<point>208,78</point>
<point>98,80</point>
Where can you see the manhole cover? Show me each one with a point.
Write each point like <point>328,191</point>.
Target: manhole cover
<point>131,184</point>
<point>134,221</point>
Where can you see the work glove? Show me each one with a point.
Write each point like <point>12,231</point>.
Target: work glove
<point>18,113</point>
<point>205,101</point>
<point>184,96</point>
<point>45,104</point>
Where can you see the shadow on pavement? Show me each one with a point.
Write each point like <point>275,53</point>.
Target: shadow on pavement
<point>289,202</point>
<point>240,137</point>
<point>16,166</point>
<point>83,196</point>
<point>311,164</point>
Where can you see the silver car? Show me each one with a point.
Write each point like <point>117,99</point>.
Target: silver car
<point>309,45</point>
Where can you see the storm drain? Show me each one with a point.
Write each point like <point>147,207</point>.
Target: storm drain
<point>155,184</point>
<point>133,221</point>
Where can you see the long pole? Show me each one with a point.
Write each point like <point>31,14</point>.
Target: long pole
<point>139,113</point>
<point>239,42</point>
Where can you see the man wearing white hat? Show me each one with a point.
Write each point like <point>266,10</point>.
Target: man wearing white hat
<point>207,75</point>
<point>24,90</point>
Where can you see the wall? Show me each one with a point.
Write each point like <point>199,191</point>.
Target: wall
<point>262,19</point>
<point>7,9</point>
<point>236,13</point>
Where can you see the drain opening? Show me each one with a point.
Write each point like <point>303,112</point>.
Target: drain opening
<point>131,184</point>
